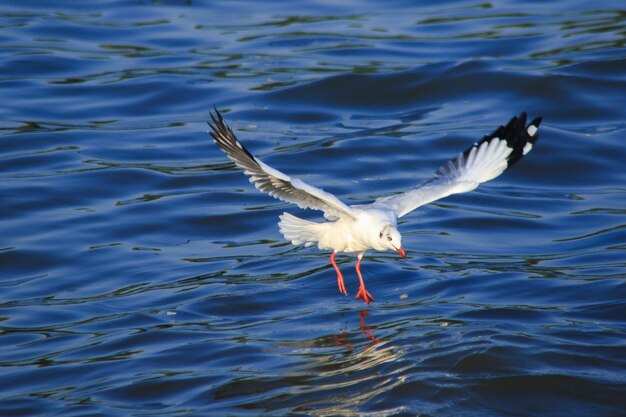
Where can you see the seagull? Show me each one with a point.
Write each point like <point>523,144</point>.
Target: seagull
<point>358,228</point>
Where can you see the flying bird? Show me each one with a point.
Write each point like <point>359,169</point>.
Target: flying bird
<point>358,228</point>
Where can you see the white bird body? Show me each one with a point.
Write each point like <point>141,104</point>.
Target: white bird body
<point>347,234</point>
<point>355,229</point>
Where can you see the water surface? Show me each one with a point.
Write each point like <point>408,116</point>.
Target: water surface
<point>142,275</point>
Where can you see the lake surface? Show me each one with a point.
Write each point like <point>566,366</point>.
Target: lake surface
<point>142,275</point>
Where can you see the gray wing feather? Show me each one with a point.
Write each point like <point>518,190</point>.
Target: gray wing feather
<point>482,162</point>
<point>272,181</point>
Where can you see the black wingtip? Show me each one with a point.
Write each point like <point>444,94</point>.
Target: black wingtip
<point>224,136</point>
<point>216,117</point>
<point>517,135</point>
<point>213,114</point>
<point>522,137</point>
<point>536,122</point>
<point>218,126</point>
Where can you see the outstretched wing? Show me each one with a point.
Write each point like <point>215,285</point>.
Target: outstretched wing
<point>272,181</point>
<point>480,163</point>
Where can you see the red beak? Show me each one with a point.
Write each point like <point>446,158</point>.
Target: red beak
<point>402,253</point>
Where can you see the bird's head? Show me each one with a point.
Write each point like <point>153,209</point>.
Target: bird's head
<point>390,239</point>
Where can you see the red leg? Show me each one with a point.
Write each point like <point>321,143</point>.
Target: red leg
<point>342,287</point>
<point>362,294</point>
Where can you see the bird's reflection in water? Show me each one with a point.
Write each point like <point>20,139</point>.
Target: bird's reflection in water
<point>326,369</point>
<point>342,338</point>
<point>367,330</point>
<point>350,338</point>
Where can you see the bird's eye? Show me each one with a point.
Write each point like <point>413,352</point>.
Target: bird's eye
<point>380,235</point>
<point>389,238</point>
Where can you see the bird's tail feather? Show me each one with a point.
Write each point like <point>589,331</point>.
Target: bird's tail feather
<point>297,230</point>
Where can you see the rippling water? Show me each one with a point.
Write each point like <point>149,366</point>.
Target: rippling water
<point>142,275</point>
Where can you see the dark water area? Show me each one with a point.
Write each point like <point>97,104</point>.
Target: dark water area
<point>142,275</point>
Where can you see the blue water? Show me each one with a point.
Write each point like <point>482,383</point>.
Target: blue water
<point>142,275</point>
